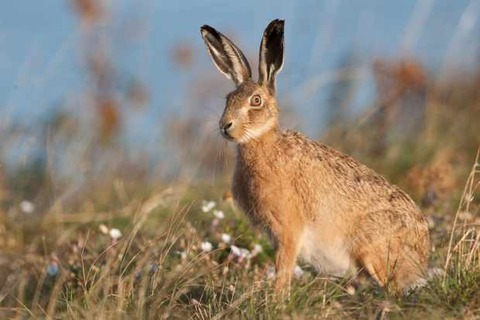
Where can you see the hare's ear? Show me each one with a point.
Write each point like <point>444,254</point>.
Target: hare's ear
<point>271,53</point>
<point>226,56</point>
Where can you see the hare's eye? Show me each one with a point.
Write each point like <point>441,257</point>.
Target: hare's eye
<point>256,100</point>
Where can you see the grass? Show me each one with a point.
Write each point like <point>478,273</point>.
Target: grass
<point>69,266</point>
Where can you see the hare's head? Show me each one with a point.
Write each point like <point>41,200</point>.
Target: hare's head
<point>251,110</point>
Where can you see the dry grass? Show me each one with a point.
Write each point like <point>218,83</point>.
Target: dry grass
<point>463,252</point>
<point>74,265</point>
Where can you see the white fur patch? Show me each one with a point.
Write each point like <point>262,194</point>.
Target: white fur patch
<point>256,133</point>
<point>327,253</point>
<point>234,56</point>
<point>217,53</point>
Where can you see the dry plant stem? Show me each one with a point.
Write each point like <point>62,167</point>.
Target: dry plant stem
<point>469,237</point>
<point>56,292</point>
<point>466,199</point>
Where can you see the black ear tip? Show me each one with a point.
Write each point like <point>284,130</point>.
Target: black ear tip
<point>206,28</point>
<point>276,25</point>
<point>209,32</point>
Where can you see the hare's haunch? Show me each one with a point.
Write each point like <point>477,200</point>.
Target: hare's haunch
<point>317,203</point>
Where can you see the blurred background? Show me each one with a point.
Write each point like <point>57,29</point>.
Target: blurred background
<point>114,179</point>
<point>94,94</point>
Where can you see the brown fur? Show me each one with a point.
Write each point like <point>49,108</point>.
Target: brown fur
<point>318,203</point>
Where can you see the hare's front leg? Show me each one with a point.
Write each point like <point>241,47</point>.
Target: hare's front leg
<point>287,247</point>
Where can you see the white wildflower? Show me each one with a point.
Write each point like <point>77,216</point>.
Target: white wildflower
<point>239,252</point>
<point>218,214</point>
<point>206,246</point>
<point>298,272</point>
<point>244,253</point>
<point>115,234</point>
<point>27,207</point>
<point>235,250</point>
<point>103,228</point>
<point>182,254</point>
<point>226,238</point>
<point>255,251</point>
<point>257,248</point>
<point>208,205</point>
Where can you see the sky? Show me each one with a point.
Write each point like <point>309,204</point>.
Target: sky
<point>42,67</point>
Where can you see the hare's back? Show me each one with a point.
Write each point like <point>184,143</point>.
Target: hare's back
<point>339,178</point>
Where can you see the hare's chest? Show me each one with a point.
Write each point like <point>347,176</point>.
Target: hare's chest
<point>260,196</point>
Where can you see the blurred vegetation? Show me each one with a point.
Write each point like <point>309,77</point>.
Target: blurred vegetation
<point>125,238</point>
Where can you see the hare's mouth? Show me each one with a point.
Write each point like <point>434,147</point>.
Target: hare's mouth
<point>226,134</point>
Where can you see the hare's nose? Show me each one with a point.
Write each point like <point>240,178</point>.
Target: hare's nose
<point>224,127</point>
<point>227,126</point>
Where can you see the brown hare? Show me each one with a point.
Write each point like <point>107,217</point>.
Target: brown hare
<point>317,203</point>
